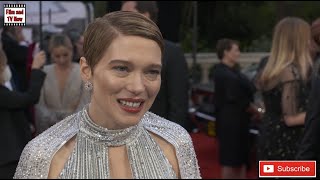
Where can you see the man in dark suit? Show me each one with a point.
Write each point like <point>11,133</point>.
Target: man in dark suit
<point>309,148</point>
<point>16,51</point>
<point>172,100</point>
<point>15,130</point>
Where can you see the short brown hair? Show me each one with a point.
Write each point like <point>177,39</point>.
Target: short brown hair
<point>223,45</point>
<point>99,34</point>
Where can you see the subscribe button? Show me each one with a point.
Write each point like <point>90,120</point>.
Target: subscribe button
<point>287,168</point>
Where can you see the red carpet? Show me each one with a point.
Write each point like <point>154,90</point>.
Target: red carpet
<point>207,154</point>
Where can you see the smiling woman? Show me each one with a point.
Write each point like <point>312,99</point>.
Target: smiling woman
<point>115,136</point>
<point>127,75</point>
<point>62,93</point>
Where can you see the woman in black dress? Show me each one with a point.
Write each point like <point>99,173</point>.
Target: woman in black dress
<point>284,83</point>
<point>233,94</point>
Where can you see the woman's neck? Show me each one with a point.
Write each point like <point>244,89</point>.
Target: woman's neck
<point>100,118</point>
<point>96,114</point>
<point>64,67</point>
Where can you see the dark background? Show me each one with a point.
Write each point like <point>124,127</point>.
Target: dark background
<point>249,22</point>
<point>168,18</point>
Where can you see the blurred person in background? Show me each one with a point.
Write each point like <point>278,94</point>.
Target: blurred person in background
<point>315,42</point>
<point>15,130</point>
<point>172,100</point>
<point>233,96</point>
<point>16,49</point>
<point>309,148</point>
<point>63,91</point>
<point>33,49</point>
<point>284,82</point>
<point>77,41</point>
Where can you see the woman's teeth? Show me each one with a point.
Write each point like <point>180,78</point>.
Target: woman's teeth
<point>130,104</point>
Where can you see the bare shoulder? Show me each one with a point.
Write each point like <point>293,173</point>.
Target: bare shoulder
<point>177,142</point>
<point>48,68</point>
<point>169,151</point>
<point>76,66</point>
<point>60,158</point>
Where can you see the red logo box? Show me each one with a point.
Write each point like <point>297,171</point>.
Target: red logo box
<point>287,168</point>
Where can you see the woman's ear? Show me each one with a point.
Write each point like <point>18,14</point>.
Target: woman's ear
<point>85,70</point>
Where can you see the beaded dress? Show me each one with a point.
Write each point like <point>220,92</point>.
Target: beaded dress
<point>89,158</point>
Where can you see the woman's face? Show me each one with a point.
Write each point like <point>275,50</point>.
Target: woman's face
<point>233,54</point>
<point>61,55</point>
<point>125,82</point>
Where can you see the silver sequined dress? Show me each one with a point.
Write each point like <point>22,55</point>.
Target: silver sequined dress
<point>89,158</point>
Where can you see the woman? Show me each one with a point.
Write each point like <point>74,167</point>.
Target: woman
<point>309,148</point>
<point>233,94</point>
<point>15,130</point>
<point>284,85</point>
<point>115,136</point>
<point>63,92</point>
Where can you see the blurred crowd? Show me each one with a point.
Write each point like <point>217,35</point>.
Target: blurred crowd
<point>282,97</point>
<point>39,87</point>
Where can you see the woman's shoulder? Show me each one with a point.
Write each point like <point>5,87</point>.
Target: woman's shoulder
<point>288,75</point>
<point>179,138</point>
<point>170,131</point>
<point>48,68</point>
<point>75,69</point>
<point>35,159</point>
<point>54,133</point>
<point>76,65</point>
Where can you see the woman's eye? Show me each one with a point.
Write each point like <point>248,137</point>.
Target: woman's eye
<point>121,68</point>
<point>154,72</point>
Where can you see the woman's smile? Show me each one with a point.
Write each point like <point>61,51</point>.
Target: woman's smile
<point>131,105</point>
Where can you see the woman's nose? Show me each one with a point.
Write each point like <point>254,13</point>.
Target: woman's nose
<point>136,84</point>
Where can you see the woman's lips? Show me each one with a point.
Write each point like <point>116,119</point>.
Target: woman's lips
<point>131,105</point>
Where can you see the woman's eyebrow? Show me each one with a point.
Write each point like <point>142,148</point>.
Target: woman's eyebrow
<point>157,66</point>
<point>119,61</point>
